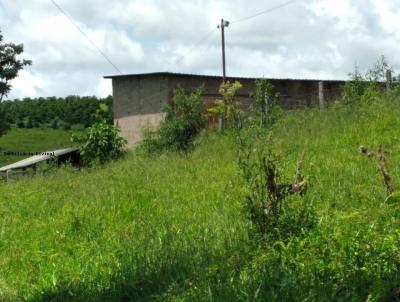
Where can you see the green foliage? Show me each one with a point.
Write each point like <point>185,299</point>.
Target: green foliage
<point>265,109</point>
<point>360,87</point>
<point>100,143</point>
<point>55,123</point>
<point>65,126</point>
<point>78,127</point>
<point>20,124</point>
<point>184,120</point>
<point>55,112</point>
<point>4,125</point>
<point>228,109</point>
<point>29,123</point>
<point>10,65</point>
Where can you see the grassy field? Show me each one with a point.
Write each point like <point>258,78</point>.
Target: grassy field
<point>31,140</point>
<point>172,228</point>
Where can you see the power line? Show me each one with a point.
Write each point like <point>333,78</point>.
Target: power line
<point>87,38</point>
<point>264,12</point>
<point>209,44</point>
<point>207,36</point>
<point>203,39</point>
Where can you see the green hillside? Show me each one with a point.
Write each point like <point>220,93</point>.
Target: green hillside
<point>173,228</point>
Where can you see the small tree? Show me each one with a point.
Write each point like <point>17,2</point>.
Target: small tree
<point>10,65</point>
<point>265,107</point>
<point>100,143</point>
<point>360,85</point>
<point>9,68</point>
<point>184,120</point>
<point>227,109</point>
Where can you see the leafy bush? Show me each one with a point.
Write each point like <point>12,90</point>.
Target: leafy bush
<point>361,86</point>
<point>185,118</point>
<point>227,109</point>
<point>100,143</point>
<point>265,109</point>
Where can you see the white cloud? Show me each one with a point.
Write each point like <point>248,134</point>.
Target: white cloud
<point>28,84</point>
<point>308,39</point>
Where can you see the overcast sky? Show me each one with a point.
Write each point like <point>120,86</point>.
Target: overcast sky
<point>321,39</point>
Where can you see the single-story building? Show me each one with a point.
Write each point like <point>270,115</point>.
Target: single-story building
<point>139,99</point>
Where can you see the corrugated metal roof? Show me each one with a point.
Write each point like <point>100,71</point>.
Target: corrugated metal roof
<point>166,73</point>
<point>33,160</point>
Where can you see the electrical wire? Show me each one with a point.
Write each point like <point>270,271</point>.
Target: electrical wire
<point>199,42</point>
<point>207,36</point>
<point>264,12</point>
<point>86,36</point>
<point>209,44</point>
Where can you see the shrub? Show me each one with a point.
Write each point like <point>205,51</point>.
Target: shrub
<point>268,193</point>
<point>361,87</point>
<point>184,120</point>
<point>100,143</point>
<point>227,109</point>
<point>265,109</point>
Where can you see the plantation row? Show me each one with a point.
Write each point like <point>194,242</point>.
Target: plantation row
<point>57,113</point>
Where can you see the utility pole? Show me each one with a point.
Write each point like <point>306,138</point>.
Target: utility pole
<point>222,26</point>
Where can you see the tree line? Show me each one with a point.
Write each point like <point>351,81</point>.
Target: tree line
<point>71,112</point>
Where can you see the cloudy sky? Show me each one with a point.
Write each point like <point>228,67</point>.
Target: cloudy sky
<point>321,39</point>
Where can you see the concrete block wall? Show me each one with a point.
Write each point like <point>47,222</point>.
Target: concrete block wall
<point>139,99</point>
<point>138,104</point>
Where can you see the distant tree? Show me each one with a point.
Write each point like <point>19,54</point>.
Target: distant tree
<point>10,65</point>
<point>54,112</point>
<point>4,125</point>
<point>29,123</point>
<point>20,124</point>
<point>55,123</point>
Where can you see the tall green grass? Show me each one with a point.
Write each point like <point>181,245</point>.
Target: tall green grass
<point>172,227</point>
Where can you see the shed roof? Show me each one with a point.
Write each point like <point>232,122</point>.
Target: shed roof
<point>33,160</point>
<point>167,73</point>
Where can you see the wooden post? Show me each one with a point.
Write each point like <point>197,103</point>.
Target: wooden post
<point>220,124</point>
<point>7,176</point>
<point>388,80</point>
<point>321,96</point>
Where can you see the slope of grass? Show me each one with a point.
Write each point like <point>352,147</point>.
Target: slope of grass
<point>31,140</point>
<point>171,228</point>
